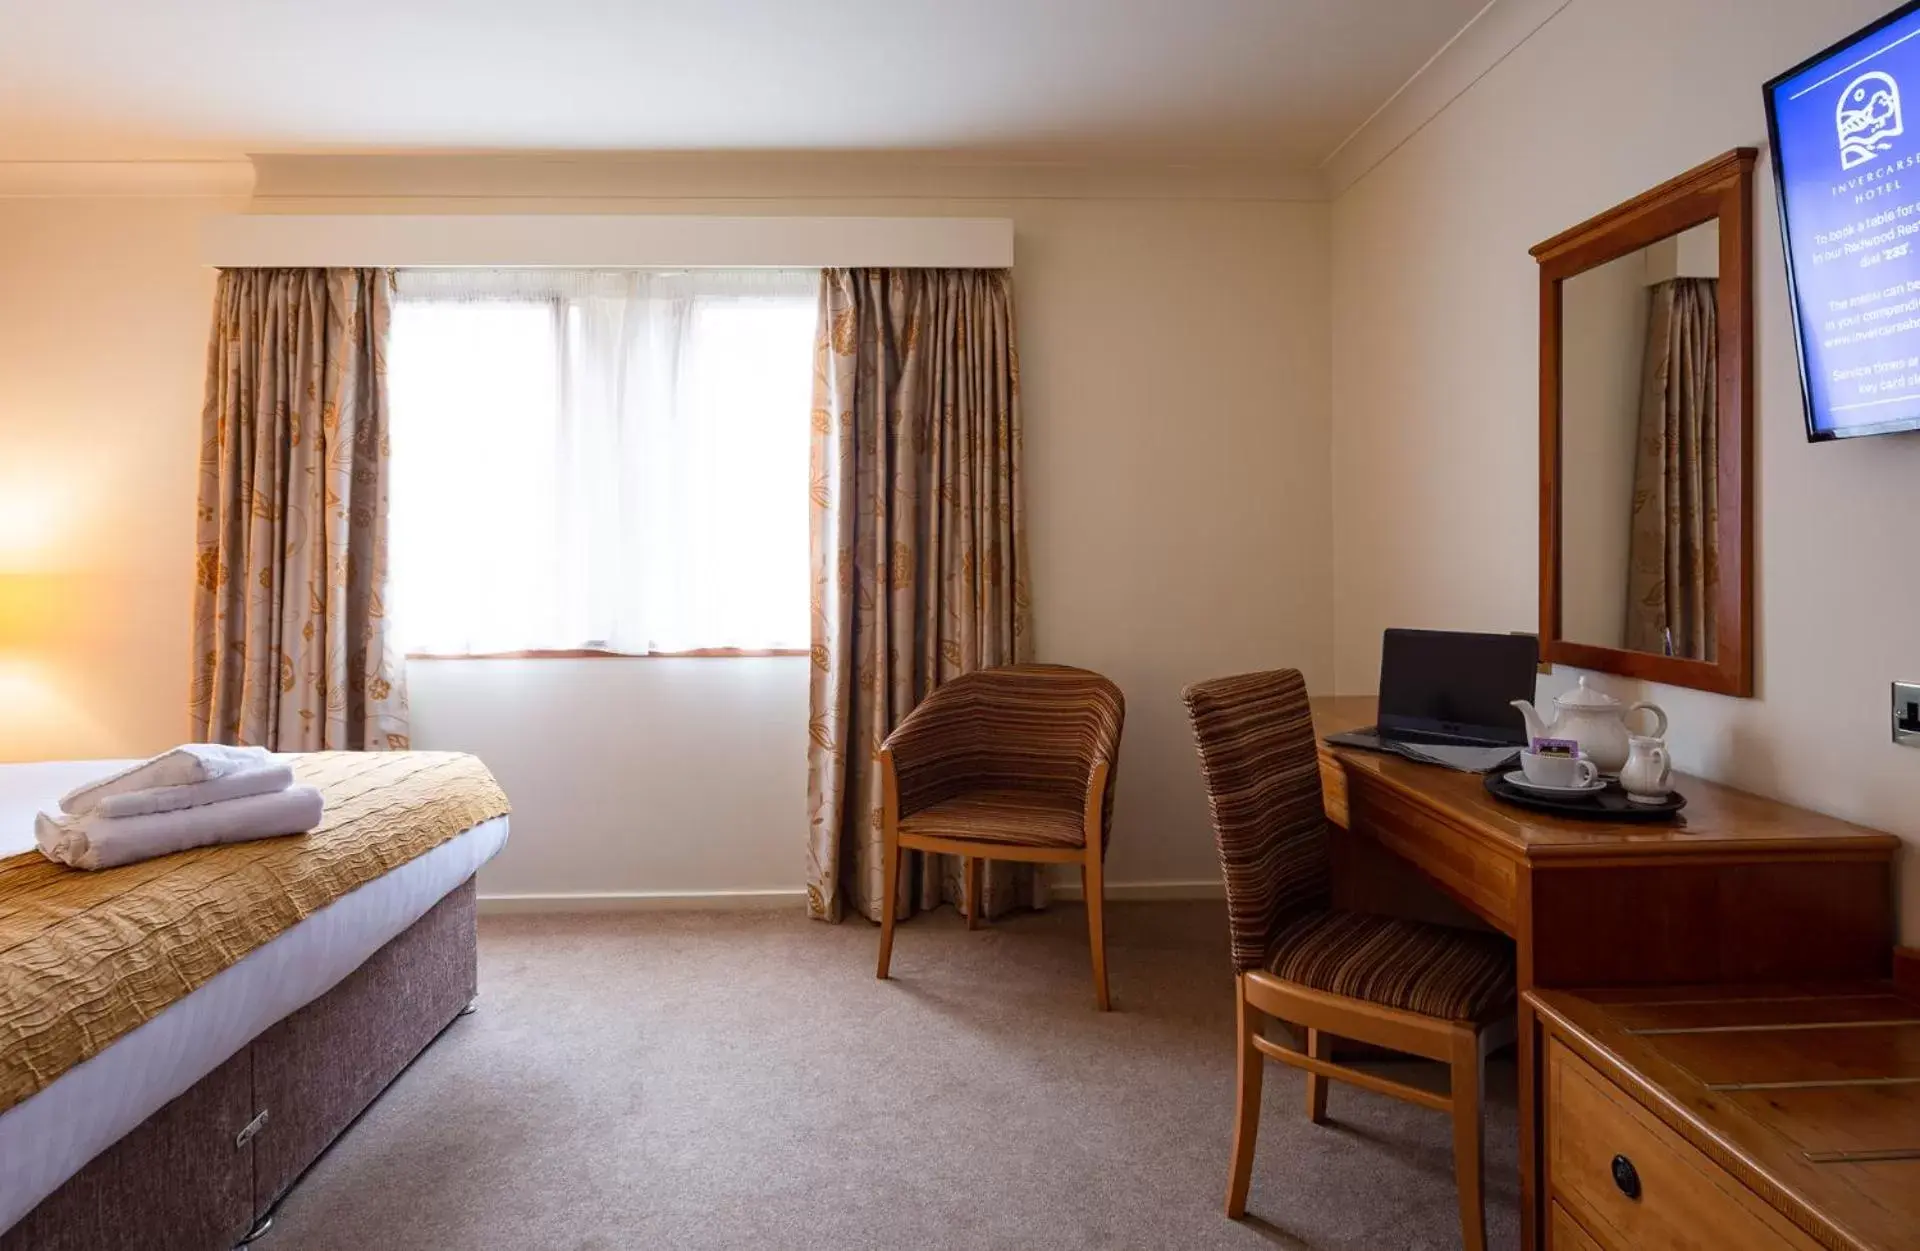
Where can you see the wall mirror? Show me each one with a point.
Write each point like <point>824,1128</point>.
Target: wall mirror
<point>1646,334</point>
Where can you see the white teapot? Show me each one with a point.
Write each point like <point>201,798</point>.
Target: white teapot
<point>1595,720</point>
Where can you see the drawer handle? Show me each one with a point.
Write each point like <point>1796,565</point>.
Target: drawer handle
<point>1626,1177</point>
<point>251,1128</point>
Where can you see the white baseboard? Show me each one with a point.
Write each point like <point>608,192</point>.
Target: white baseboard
<point>753,900</point>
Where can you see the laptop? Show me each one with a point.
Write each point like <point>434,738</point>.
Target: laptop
<point>1446,697</point>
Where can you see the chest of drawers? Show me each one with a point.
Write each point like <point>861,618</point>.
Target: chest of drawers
<point>1775,1118</point>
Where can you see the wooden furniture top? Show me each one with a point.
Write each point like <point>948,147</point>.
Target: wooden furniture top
<point>1718,820</point>
<point>1808,1093</point>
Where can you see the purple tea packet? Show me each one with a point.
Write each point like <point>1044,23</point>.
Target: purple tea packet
<point>1555,747</point>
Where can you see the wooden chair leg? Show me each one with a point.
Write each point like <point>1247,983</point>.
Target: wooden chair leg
<point>889,899</point>
<point>1320,1047</point>
<point>1093,887</point>
<point>1469,1061</point>
<point>975,889</point>
<point>1246,1112</point>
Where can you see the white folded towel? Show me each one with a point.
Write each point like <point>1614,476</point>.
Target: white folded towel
<point>262,781</point>
<point>195,762</point>
<point>97,842</point>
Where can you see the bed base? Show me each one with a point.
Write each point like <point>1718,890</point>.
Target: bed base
<point>206,1171</point>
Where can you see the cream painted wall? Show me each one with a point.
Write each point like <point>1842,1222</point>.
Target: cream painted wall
<point>103,339</point>
<point>1174,350</point>
<point>1435,322</point>
<point>650,776</point>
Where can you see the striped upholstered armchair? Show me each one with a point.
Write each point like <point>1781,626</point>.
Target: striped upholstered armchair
<point>1431,990</point>
<point>1015,763</point>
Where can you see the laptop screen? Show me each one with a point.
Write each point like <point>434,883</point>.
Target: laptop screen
<point>1452,683</point>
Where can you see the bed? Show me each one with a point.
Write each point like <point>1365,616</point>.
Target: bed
<point>185,1128</point>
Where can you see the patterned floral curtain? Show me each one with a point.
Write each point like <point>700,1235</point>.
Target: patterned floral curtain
<point>1673,569</point>
<point>919,552</point>
<point>290,639</point>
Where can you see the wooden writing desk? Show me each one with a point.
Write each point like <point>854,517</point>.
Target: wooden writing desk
<point>1740,889</point>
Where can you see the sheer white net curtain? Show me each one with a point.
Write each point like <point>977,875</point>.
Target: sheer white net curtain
<point>611,460</point>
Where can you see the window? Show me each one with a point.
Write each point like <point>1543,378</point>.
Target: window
<point>610,460</point>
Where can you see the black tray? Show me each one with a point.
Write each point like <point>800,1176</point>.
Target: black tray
<point>1611,804</point>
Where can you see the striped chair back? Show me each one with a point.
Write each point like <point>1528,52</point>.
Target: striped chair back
<point>1262,767</point>
<point>1016,727</point>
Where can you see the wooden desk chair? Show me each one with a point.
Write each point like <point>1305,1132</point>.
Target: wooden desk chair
<point>1015,763</point>
<point>1430,990</point>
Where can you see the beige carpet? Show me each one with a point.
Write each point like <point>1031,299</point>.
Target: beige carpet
<point>718,1080</point>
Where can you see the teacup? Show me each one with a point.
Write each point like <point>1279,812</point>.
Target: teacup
<point>1566,772</point>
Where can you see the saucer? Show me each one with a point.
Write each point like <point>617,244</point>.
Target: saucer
<point>1519,779</point>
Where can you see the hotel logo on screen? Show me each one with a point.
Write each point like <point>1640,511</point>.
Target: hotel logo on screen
<point>1848,177</point>
<point>1868,118</point>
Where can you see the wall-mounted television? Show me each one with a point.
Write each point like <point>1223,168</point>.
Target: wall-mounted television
<point>1845,132</point>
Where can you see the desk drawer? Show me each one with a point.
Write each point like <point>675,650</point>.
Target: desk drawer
<point>1684,1200</point>
<point>1451,855</point>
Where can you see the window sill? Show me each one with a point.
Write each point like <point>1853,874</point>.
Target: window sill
<point>589,653</point>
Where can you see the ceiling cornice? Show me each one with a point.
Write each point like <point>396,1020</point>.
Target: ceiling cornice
<point>92,179</point>
<point>1482,43</point>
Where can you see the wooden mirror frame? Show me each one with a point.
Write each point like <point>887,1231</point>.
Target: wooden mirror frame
<point>1721,190</point>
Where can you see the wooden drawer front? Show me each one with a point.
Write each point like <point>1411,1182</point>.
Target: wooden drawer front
<point>1473,871</point>
<point>1564,1233</point>
<point>1686,1201</point>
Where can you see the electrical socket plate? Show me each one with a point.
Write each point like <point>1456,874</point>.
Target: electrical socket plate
<point>1906,713</point>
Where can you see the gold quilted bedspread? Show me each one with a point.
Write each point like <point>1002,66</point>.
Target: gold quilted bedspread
<point>88,957</point>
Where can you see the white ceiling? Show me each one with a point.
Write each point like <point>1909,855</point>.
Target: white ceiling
<point>1281,82</point>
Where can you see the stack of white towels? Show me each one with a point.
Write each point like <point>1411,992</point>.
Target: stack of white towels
<point>192,796</point>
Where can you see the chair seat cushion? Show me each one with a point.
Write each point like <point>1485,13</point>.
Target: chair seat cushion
<point>1012,818</point>
<point>1434,970</point>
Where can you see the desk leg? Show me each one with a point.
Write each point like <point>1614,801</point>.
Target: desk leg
<point>1532,1178</point>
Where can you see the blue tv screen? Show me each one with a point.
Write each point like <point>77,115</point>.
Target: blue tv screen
<point>1846,163</point>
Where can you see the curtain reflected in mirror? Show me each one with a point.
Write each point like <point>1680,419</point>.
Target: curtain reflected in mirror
<point>1671,558</point>
<point>1639,454</point>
